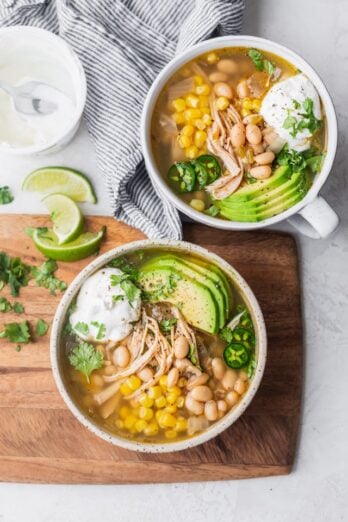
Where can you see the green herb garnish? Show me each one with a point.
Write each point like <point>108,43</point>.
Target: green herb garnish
<point>126,266</point>
<point>44,276</point>
<point>16,332</point>
<point>166,324</point>
<point>5,195</point>
<point>226,334</point>
<point>101,329</point>
<point>13,272</point>
<point>193,356</point>
<point>212,211</point>
<point>82,328</point>
<point>41,327</point>
<point>131,291</point>
<point>261,63</point>
<point>307,119</point>
<point>18,308</point>
<point>85,358</point>
<point>299,161</point>
<point>5,305</point>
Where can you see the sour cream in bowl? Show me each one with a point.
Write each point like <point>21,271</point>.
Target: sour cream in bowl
<point>29,54</point>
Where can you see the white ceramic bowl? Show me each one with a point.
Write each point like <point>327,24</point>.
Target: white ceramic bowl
<point>59,50</point>
<point>216,428</point>
<point>318,219</point>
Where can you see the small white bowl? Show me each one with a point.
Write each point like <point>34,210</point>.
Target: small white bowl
<point>217,427</point>
<point>318,218</point>
<point>64,53</point>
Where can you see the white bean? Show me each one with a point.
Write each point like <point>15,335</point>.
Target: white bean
<point>218,367</point>
<point>222,406</point>
<point>197,381</point>
<point>232,398</point>
<point>223,89</point>
<point>145,374</point>
<point>258,149</point>
<point>181,347</point>
<point>240,386</point>
<point>253,134</point>
<point>238,134</point>
<point>211,411</point>
<point>242,89</point>
<point>227,66</point>
<point>202,393</point>
<point>173,377</point>
<point>121,357</point>
<point>229,379</point>
<point>242,374</point>
<point>262,172</point>
<point>217,76</point>
<point>265,158</point>
<point>194,406</point>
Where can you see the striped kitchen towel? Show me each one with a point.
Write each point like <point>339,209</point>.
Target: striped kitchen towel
<point>123,45</point>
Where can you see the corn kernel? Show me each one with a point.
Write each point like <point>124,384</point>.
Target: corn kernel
<point>200,138</point>
<point>145,400</point>
<point>125,389</point>
<point>182,382</point>
<point>256,104</point>
<point>124,412</point>
<point>206,119</point>
<point>198,79</point>
<point>159,414</point>
<point>205,110</point>
<point>187,130</point>
<point>212,58</point>
<point>180,401</point>
<point>203,101</point>
<point>151,429</point>
<point>133,382</point>
<point>119,424</point>
<point>171,409</point>
<point>191,152</point>
<point>192,101</point>
<point>222,103</point>
<point>132,430</point>
<point>171,398</point>
<point>200,124</point>
<point>198,205</point>
<point>168,420</point>
<point>130,421</point>
<point>179,117</point>
<point>160,402</point>
<point>191,114</point>
<point>145,413</point>
<point>179,104</point>
<point>203,89</point>
<point>176,390</point>
<point>247,104</point>
<point>140,425</point>
<point>181,424</point>
<point>245,112</point>
<point>170,434</point>
<point>155,392</point>
<point>184,141</point>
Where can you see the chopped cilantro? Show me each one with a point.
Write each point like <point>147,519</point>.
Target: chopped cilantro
<point>126,266</point>
<point>124,280</point>
<point>299,161</point>
<point>41,327</point>
<point>212,211</point>
<point>119,297</point>
<point>18,308</point>
<point>13,272</point>
<point>193,356</point>
<point>29,231</point>
<point>261,63</point>
<point>44,276</point>
<point>85,358</point>
<point>18,348</point>
<point>16,332</point>
<point>5,195</point>
<point>81,327</point>
<point>226,334</point>
<point>308,120</point>
<point>101,329</point>
<point>166,324</point>
<point>5,305</point>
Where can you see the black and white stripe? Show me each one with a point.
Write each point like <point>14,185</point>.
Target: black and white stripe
<point>123,45</point>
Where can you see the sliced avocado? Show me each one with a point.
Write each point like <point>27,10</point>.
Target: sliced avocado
<point>280,175</point>
<point>192,271</point>
<point>195,300</point>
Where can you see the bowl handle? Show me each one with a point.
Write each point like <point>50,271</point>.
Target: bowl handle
<point>316,220</point>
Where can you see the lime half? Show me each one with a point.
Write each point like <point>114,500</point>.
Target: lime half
<point>85,245</point>
<point>50,180</point>
<point>66,216</point>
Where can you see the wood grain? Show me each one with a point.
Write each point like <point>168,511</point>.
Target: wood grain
<point>40,440</point>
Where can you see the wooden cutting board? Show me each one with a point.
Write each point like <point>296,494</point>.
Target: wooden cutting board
<point>40,440</point>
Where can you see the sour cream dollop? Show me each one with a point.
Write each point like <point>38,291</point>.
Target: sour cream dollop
<point>285,99</point>
<point>107,318</point>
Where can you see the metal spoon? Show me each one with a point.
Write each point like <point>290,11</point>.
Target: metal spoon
<point>25,101</point>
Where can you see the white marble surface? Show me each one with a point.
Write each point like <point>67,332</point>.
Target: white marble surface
<point>317,490</point>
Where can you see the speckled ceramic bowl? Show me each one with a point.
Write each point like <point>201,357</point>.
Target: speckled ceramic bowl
<point>217,427</point>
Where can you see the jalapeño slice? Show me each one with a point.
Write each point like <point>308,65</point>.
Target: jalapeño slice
<point>236,355</point>
<point>182,177</point>
<point>211,166</point>
<point>243,336</point>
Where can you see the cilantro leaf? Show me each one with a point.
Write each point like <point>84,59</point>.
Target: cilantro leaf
<point>81,327</point>
<point>85,358</point>
<point>212,211</point>
<point>226,334</point>
<point>101,329</point>
<point>18,308</point>
<point>119,297</point>
<point>16,332</point>
<point>166,324</point>
<point>307,119</point>
<point>261,63</point>
<point>5,195</point>
<point>29,231</point>
<point>44,276</point>
<point>126,266</point>
<point>193,356</point>
<point>5,305</point>
<point>13,272</point>
<point>300,161</point>
<point>41,327</point>
<point>131,291</point>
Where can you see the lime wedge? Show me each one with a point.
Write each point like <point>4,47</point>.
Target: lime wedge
<point>85,245</point>
<point>66,216</point>
<point>50,180</point>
